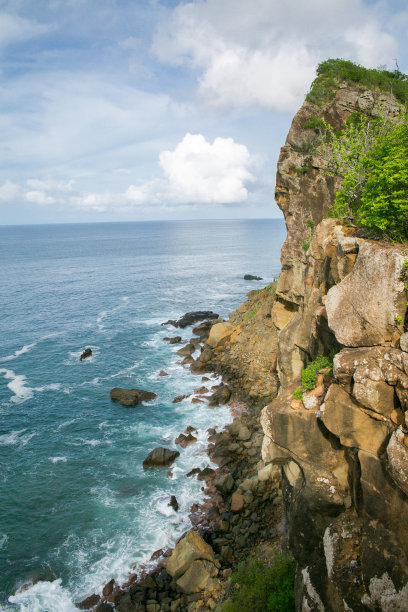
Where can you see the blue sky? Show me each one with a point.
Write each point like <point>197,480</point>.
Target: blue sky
<point>115,110</point>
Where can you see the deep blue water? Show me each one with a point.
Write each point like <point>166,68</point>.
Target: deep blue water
<point>75,503</point>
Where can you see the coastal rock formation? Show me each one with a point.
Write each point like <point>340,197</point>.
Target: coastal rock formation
<point>192,317</point>
<point>87,353</point>
<point>131,397</point>
<point>252,277</point>
<point>160,457</point>
<point>343,446</point>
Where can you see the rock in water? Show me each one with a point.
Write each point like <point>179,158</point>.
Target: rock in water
<point>131,397</point>
<point>252,277</point>
<point>160,457</point>
<point>192,317</point>
<point>87,353</point>
<point>173,503</point>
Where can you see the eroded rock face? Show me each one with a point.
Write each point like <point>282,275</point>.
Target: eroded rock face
<point>192,563</point>
<point>131,397</point>
<point>160,457</point>
<point>343,449</point>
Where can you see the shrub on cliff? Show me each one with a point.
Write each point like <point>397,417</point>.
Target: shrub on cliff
<point>262,588</point>
<point>332,72</point>
<point>371,155</point>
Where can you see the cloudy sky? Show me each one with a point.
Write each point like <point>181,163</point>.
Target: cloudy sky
<point>114,110</point>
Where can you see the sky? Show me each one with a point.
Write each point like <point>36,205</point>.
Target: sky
<point>133,110</point>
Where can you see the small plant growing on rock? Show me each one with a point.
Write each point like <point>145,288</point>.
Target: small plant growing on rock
<point>263,588</point>
<point>398,319</point>
<point>309,374</point>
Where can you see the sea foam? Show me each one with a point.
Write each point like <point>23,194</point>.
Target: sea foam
<point>17,386</point>
<point>25,349</point>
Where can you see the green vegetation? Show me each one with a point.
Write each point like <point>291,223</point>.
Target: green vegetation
<point>332,72</point>
<point>249,315</point>
<point>261,588</point>
<point>371,155</point>
<point>309,374</point>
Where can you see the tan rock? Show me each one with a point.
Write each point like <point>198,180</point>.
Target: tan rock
<point>237,502</point>
<point>196,576</point>
<point>375,395</point>
<point>343,417</point>
<point>365,317</point>
<point>218,332</point>
<point>397,454</point>
<point>190,548</point>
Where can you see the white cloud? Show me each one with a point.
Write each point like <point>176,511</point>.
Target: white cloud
<point>39,197</point>
<point>50,185</point>
<point>263,52</point>
<point>15,29</point>
<point>198,172</point>
<point>8,192</point>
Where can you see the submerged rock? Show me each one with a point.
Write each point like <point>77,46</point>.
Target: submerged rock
<point>160,457</point>
<point>174,503</point>
<point>252,277</point>
<point>131,397</point>
<point>87,353</point>
<point>174,340</point>
<point>191,317</point>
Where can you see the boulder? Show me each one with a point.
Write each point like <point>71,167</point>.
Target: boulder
<point>397,455</point>
<point>218,332</point>
<point>174,503</point>
<point>185,440</point>
<point>160,457</point>
<point>174,340</point>
<point>237,502</point>
<point>197,576</point>
<point>163,373</point>
<point>221,396</point>
<point>180,398</point>
<point>252,277</point>
<point>187,350</point>
<point>224,484</point>
<point>89,602</point>
<point>190,548</point>
<point>354,427</point>
<point>192,317</point>
<point>361,309</point>
<point>87,353</point>
<point>203,330</point>
<point>131,397</point>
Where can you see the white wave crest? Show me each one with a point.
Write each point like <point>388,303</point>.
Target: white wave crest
<point>17,386</point>
<point>25,349</point>
<point>44,597</point>
<point>16,438</point>
<point>3,540</point>
<point>58,459</point>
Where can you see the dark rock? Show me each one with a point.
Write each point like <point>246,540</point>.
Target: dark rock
<point>89,602</point>
<point>87,353</point>
<point>221,396</point>
<point>104,607</point>
<point>203,330</point>
<point>160,457</point>
<point>192,473</point>
<point>180,398</point>
<point>187,350</point>
<point>173,503</point>
<point>108,588</point>
<point>174,340</point>
<point>188,360</point>
<point>206,473</point>
<point>196,400</point>
<point>198,367</point>
<point>189,429</point>
<point>201,390</point>
<point>163,373</point>
<point>251,277</point>
<point>131,397</point>
<point>192,317</point>
<point>157,553</point>
<point>185,440</point>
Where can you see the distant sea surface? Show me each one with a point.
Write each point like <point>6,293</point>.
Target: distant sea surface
<point>76,506</point>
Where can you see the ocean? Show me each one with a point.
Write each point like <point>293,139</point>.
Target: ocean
<point>76,506</point>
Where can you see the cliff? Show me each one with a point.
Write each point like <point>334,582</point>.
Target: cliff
<point>343,447</point>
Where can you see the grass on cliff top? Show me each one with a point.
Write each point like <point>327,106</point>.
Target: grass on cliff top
<point>263,588</point>
<point>256,297</point>
<point>332,72</point>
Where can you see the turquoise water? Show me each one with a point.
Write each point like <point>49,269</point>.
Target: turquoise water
<point>75,504</point>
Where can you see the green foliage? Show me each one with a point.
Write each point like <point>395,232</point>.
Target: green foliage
<point>310,224</point>
<point>384,200</point>
<point>263,588</point>
<point>398,319</point>
<point>315,123</point>
<point>310,372</point>
<point>371,155</point>
<point>305,245</point>
<point>249,315</point>
<point>301,170</point>
<point>332,72</point>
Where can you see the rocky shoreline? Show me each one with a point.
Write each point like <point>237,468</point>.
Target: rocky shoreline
<point>240,516</point>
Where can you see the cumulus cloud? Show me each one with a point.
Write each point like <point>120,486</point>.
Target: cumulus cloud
<point>263,52</point>
<point>199,172</point>
<point>39,197</point>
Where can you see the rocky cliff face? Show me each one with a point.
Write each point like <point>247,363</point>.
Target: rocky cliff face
<point>344,447</point>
